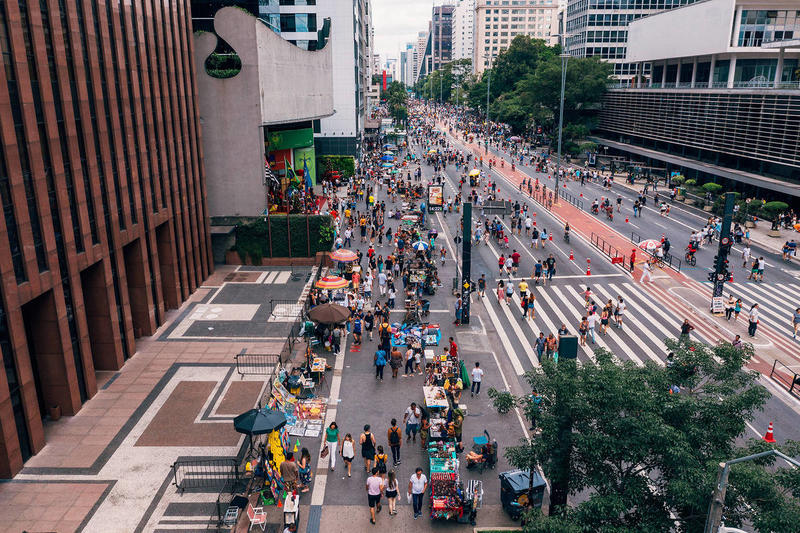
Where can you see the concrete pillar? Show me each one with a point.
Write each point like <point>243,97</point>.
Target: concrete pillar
<point>694,70</point>
<point>732,71</point>
<point>664,75</point>
<point>711,70</point>
<point>779,69</point>
<point>678,73</point>
<point>737,23</point>
<point>650,82</point>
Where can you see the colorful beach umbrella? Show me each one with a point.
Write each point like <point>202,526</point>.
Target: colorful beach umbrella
<point>332,282</point>
<point>386,165</point>
<point>474,172</point>
<point>387,158</point>
<point>344,256</point>
<point>420,246</point>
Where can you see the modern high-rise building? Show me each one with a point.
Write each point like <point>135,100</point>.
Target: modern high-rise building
<point>600,28</point>
<point>723,100</point>
<point>419,53</point>
<point>299,21</point>
<point>497,23</point>
<point>104,224</point>
<point>463,29</point>
<point>441,31</point>
<point>407,65</point>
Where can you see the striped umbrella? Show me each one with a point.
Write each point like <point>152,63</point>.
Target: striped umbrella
<point>420,246</point>
<point>332,282</point>
<point>344,256</point>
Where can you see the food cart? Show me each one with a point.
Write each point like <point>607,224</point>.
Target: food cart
<point>474,177</point>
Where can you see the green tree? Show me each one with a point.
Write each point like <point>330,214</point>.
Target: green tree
<point>646,457</point>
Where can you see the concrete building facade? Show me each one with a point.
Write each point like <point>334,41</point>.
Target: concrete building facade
<point>497,22</point>
<point>241,114</point>
<point>419,53</point>
<point>101,179</point>
<point>463,29</point>
<point>722,100</point>
<point>441,32</point>
<point>600,28</point>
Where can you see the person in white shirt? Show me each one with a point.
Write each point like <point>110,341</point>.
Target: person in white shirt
<point>417,486</point>
<point>477,377</point>
<point>620,311</point>
<point>382,283</point>
<point>646,273</point>
<point>592,320</point>
<point>745,256</point>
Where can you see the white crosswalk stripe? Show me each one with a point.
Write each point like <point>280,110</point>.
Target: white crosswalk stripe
<point>777,302</point>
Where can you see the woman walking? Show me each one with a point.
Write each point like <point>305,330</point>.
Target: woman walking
<point>501,291</point>
<point>348,452</point>
<point>304,467</point>
<point>367,441</point>
<point>332,442</point>
<point>391,491</point>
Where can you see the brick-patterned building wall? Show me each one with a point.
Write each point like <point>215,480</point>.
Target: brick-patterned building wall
<point>103,225</point>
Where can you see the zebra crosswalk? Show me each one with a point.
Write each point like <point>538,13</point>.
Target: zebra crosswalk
<point>645,324</point>
<point>776,304</point>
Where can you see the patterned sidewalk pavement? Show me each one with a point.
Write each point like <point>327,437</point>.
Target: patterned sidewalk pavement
<point>109,467</point>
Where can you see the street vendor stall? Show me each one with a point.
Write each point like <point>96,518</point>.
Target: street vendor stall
<point>447,490</point>
<point>437,405</point>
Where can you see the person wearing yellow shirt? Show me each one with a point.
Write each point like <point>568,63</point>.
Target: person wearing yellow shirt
<point>523,289</point>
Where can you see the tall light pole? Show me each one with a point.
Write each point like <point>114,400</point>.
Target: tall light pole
<point>488,86</point>
<point>564,59</point>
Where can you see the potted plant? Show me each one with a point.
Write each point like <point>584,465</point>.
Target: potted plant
<point>772,210</point>
<point>678,180</point>
<point>55,412</point>
<point>711,190</point>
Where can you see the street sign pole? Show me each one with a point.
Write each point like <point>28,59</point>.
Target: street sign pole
<point>721,272</point>
<point>466,263</point>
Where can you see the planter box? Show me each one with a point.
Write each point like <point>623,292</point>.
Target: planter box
<point>680,198</point>
<point>749,224</point>
<point>774,233</point>
<point>232,258</point>
<point>689,201</point>
<point>708,208</point>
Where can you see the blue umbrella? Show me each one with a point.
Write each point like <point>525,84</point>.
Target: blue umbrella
<point>420,246</point>
<point>387,158</point>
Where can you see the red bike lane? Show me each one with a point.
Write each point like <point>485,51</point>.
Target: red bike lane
<point>597,232</point>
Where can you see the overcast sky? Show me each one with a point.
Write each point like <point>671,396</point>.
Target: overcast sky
<point>397,22</point>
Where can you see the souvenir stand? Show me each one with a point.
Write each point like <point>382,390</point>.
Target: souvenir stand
<point>437,406</point>
<point>447,490</point>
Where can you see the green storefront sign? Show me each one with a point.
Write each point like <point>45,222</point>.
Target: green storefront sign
<point>305,157</point>
<point>282,140</point>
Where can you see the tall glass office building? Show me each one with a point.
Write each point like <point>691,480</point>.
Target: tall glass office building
<point>600,28</point>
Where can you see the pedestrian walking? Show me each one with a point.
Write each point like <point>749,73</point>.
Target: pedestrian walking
<point>409,368</point>
<point>332,441</point>
<point>646,272</point>
<point>367,442</point>
<point>375,487</point>
<point>752,320</point>
<point>591,323</point>
<point>380,363</point>
<point>501,291</point>
<point>395,440</point>
<point>348,453</point>
<point>411,420</point>
<point>686,329</point>
<point>417,486</point>
<point>459,310</point>
<point>391,492</point>
<point>795,322</point>
<point>477,377</point>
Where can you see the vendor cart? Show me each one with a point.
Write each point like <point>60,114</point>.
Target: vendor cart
<point>447,490</point>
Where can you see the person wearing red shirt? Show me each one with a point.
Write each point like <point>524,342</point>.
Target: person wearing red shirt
<point>515,261</point>
<point>453,348</point>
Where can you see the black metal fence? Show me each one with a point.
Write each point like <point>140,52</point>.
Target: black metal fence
<point>786,377</point>
<point>577,202</point>
<point>255,363</point>
<point>669,260</point>
<point>205,473</point>
<point>612,252</point>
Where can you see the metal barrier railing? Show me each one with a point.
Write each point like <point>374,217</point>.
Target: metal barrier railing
<point>577,202</point>
<point>786,377</point>
<point>669,260</point>
<point>256,363</point>
<point>286,308</point>
<point>611,252</point>
<point>206,473</point>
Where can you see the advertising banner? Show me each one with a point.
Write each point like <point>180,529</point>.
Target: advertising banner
<point>305,158</point>
<point>282,140</point>
<point>435,198</point>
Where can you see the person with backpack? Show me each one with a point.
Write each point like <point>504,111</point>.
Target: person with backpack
<point>395,439</point>
<point>380,460</point>
<point>380,363</point>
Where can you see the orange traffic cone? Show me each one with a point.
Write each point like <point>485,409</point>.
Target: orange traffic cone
<point>588,271</point>
<point>581,195</point>
<point>551,237</point>
<point>769,437</point>
<point>571,256</point>
<point>626,220</point>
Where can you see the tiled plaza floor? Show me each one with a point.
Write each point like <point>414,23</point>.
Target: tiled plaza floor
<point>108,468</point>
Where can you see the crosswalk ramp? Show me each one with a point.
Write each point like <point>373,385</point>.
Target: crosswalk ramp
<point>776,304</point>
<point>640,339</point>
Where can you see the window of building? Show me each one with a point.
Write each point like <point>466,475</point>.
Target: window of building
<point>305,22</point>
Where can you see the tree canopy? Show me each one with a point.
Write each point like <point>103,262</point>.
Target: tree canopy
<point>642,444</point>
<point>396,100</point>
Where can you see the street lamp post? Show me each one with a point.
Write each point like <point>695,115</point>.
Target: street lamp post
<point>564,59</point>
